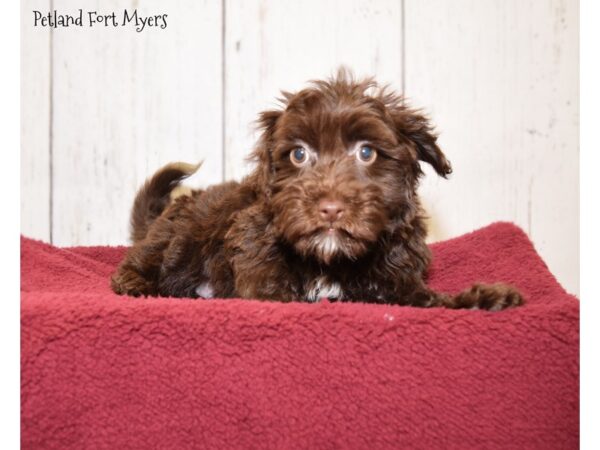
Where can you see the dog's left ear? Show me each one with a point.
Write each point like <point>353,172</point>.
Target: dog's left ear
<point>416,128</point>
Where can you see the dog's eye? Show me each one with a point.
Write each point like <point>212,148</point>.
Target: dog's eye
<point>299,156</point>
<point>366,154</point>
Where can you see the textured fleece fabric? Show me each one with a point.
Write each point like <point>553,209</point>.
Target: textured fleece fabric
<point>107,372</point>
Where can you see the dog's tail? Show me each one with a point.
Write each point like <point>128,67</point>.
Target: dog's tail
<point>155,195</point>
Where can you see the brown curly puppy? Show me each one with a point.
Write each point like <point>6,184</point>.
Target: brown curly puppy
<point>331,210</point>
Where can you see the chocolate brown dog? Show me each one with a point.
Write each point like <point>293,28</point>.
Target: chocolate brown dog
<point>331,210</point>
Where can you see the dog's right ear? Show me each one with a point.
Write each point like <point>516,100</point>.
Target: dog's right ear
<point>262,154</point>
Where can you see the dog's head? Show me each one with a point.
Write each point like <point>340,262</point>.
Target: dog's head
<point>339,164</point>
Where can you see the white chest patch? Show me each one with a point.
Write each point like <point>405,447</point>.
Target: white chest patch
<point>322,288</point>
<point>328,244</point>
<point>205,290</point>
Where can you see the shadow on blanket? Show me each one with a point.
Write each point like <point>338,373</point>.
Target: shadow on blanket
<point>102,371</point>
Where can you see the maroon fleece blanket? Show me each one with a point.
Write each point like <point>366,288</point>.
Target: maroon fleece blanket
<point>107,372</point>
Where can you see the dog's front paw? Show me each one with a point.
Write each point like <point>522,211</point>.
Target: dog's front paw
<point>126,282</point>
<point>491,297</point>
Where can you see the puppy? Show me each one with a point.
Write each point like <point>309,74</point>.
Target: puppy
<point>330,211</point>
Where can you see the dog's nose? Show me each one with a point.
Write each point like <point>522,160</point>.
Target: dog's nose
<point>330,210</point>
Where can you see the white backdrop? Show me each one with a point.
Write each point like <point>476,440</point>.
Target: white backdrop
<point>103,108</point>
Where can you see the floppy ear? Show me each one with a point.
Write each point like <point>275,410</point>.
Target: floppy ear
<point>415,127</point>
<point>267,122</point>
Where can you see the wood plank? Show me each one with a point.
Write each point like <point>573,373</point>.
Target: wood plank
<point>127,102</point>
<point>35,123</point>
<point>279,45</point>
<point>500,79</point>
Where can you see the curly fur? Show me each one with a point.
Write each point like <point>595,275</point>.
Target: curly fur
<point>266,237</point>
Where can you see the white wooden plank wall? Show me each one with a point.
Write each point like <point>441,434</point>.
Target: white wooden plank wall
<point>500,79</point>
<point>35,125</point>
<point>125,103</point>
<point>102,109</point>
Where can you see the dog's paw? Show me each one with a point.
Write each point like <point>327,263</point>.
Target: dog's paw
<point>130,283</point>
<point>490,297</point>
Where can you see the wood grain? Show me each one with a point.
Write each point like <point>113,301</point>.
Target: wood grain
<point>500,79</point>
<point>126,103</point>
<point>35,123</point>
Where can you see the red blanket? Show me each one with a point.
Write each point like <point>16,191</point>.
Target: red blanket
<point>103,371</point>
